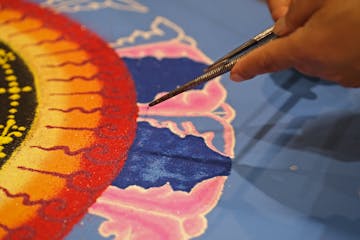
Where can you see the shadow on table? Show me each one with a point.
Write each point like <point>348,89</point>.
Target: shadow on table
<point>291,82</point>
<point>328,193</point>
<point>336,135</point>
<point>330,198</point>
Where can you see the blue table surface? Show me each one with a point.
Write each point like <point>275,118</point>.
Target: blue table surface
<point>296,170</point>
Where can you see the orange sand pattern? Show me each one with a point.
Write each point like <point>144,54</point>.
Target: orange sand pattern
<point>13,33</point>
<point>49,165</point>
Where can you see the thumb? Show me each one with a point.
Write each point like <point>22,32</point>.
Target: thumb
<point>276,55</point>
<point>298,14</point>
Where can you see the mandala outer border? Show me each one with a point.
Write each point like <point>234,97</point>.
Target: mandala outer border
<point>72,188</point>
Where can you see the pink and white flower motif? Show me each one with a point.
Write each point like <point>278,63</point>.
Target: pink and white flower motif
<point>161,212</point>
<point>170,49</point>
<point>208,102</point>
<point>157,213</point>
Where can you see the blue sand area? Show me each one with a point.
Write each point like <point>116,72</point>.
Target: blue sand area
<point>158,156</point>
<point>153,76</point>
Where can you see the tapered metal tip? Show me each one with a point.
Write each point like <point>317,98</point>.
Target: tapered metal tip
<point>168,96</point>
<point>153,103</point>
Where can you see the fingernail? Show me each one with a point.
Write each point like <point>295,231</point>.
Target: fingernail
<point>280,27</point>
<point>236,77</point>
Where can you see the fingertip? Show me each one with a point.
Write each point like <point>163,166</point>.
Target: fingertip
<point>243,69</point>
<point>236,77</point>
<point>280,27</point>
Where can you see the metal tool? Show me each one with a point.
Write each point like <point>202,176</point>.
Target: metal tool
<point>221,66</point>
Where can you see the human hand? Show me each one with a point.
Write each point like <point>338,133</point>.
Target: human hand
<point>319,38</point>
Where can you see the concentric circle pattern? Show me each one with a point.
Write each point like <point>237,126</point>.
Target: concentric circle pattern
<point>18,101</point>
<point>69,120</point>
